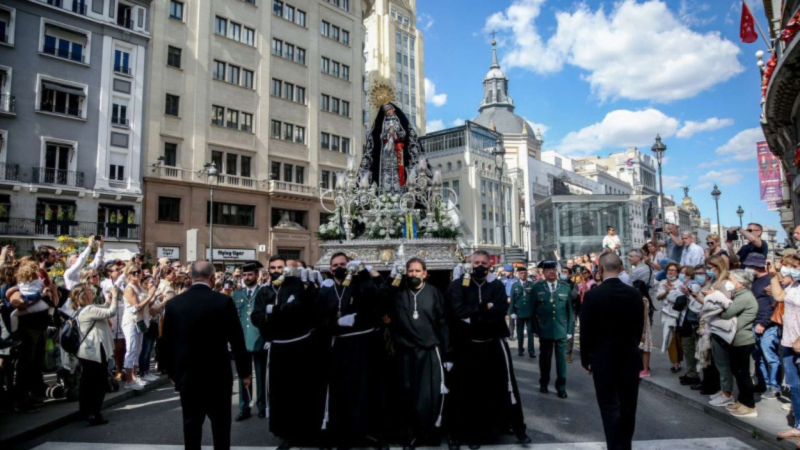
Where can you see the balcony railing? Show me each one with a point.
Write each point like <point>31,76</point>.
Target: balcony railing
<point>7,103</point>
<point>120,121</point>
<point>237,181</point>
<point>77,57</point>
<point>41,227</point>
<point>291,188</point>
<point>125,70</point>
<point>47,175</point>
<point>9,172</point>
<point>127,23</point>
<point>171,172</point>
<point>64,110</point>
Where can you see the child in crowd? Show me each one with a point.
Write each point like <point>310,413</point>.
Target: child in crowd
<point>31,287</point>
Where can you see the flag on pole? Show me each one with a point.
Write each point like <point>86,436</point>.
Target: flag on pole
<point>747,29</point>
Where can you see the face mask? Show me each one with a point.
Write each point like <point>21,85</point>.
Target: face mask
<point>563,277</point>
<point>340,273</point>
<point>672,278</point>
<point>682,278</point>
<point>415,282</point>
<point>795,274</point>
<point>711,274</point>
<point>786,271</point>
<point>480,272</point>
<point>700,278</point>
<point>729,286</point>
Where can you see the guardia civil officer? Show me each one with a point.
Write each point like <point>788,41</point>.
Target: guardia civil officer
<point>553,318</point>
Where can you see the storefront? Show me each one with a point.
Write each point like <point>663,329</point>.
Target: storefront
<point>231,257</point>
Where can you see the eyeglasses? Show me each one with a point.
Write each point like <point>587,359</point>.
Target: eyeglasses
<point>710,243</point>
<point>751,231</point>
<point>136,272</point>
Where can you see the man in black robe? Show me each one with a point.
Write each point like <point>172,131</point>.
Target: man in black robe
<point>485,398</point>
<point>349,317</point>
<point>284,314</point>
<point>421,345</point>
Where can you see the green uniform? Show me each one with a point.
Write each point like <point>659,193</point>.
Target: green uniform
<point>554,321</point>
<point>522,306</point>
<point>255,347</point>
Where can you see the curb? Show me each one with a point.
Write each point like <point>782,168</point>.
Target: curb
<point>71,417</point>
<point>768,437</point>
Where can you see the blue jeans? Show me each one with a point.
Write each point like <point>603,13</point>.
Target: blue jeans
<point>148,342</point>
<point>791,367</point>
<point>766,355</point>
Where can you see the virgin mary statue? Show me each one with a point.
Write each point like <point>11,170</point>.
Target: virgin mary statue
<point>392,150</point>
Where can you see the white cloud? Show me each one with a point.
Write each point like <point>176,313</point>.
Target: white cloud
<point>536,126</point>
<point>712,163</point>
<point>458,122</point>
<point>639,51</point>
<point>431,96</point>
<point>434,125</point>
<point>742,146</point>
<point>674,181</point>
<point>425,21</point>
<point>620,128</point>
<point>691,127</point>
<point>724,177</point>
<point>691,10</point>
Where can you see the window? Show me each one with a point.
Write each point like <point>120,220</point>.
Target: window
<point>61,99</point>
<point>483,211</point>
<point>288,52</point>
<point>300,134</point>
<point>277,8</point>
<point>233,119</point>
<point>231,163</point>
<point>169,209</point>
<point>288,13</point>
<point>231,214</point>
<point>119,115</point>
<point>288,91</point>
<point>219,70</point>
<point>335,33</point>
<point>175,10</point>
<point>345,37</point>
<point>299,175</point>
<point>276,87</point>
<point>249,36</point>
<point>277,47</point>
<point>346,145</point>
<point>288,131</point>
<point>325,28</point>
<point>247,78</point>
<point>275,171</point>
<point>65,43</point>
<point>326,103</point>
<point>124,15</point>
<point>170,154</point>
<point>325,141</point>
<point>399,58</point>
<point>216,159</point>
<point>326,180</point>
<point>345,5</point>
<point>275,129</point>
<point>217,116</point>
<point>301,56</point>
<point>335,105</point>
<point>335,143</point>
<point>245,166</point>
<point>221,26</point>
<point>326,65</point>
<point>116,172</point>
<point>247,122</point>
<point>174,57</point>
<point>233,74</point>
<point>301,18</point>
<point>287,172</point>
<point>335,69</point>
<point>300,95</point>
<point>235,31</point>
<point>172,105</point>
<point>345,72</point>
<point>122,62</point>
<point>345,108</point>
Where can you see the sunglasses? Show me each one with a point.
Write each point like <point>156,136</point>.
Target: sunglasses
<point>136,272</point>
<point>751,231</point>
<point>710,243</point>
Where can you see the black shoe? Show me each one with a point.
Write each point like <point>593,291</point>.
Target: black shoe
<point>521,354</point>
<point>675,369</point>
<point>35,401</point>
<point>96,420</point>
<point>262,414</point>
<point>26,408</point>
<point>696,387</point>
<point>243,416</point>
<point>690,381</point>
<point>543,390</point>
<point>474,446</point>
<point>453,444</point>
<point>523,438</point>
<point>705,391</point>
<point>562,394</point>
<point>533,355</point>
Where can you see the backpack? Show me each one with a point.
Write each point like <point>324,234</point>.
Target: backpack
<point>71,334</point>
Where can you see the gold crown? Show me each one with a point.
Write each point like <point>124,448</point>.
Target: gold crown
<point>381,94</point>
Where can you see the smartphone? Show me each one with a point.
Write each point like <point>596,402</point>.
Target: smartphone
<point>732,235</point>
<point>659,230</point>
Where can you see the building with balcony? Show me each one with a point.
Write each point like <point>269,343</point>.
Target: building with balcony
<point>270,92</point>
<point>72,83</point>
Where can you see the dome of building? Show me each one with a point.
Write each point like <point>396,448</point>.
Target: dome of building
<point>688,205</point>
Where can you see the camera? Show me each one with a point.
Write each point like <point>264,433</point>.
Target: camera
<point>732,235</point>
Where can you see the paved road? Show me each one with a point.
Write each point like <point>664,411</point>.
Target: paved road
<point>156,419</point>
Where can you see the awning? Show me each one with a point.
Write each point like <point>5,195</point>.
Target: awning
<point>119,250</point>
<point>62,88</point>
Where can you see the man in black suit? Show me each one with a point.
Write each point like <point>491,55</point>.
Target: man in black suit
<point>612,321</point>
<point>198,326</point>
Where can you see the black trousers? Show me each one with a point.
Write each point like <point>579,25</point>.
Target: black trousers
<point>214,403</point>
<point>740,367</point>
<point>617,395</point>
<point>28,371</point>
<point>93,384</point>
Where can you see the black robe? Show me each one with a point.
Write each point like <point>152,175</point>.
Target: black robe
<point>485,397</point>
<point>352,400</point>
<point>421,346</point>
<point>295,384</point>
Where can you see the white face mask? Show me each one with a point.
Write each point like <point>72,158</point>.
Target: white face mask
<point>729,286</point>
<point>786,271</point>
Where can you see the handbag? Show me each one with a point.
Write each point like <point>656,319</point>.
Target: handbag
<point>777,315</point>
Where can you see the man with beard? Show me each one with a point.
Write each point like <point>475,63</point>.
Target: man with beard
<point>245,300</point>
<point>348,310</point>
<point>420,335</point>
<point>284,313</point>
<point>485,395</point>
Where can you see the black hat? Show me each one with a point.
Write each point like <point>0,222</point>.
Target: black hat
<point>547,265</point>
<point>252,266</point>
<point>522,269</point>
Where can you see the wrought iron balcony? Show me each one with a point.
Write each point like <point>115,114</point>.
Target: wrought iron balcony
<point>7,104</point>
<point>47,175</point>
<point>9,172</point>
<point>41,227</point>
<point>120,121</point>
<point>125,70</point>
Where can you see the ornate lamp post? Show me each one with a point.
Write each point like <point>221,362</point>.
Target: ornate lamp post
<point>716,194</point>
<point>499,160</point>
<point>211,172</point>
<point>740,213</point>
<point>659,148</point>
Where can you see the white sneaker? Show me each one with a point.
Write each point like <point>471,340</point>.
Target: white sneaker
<point>140,382</point>
<point>135,386</point>
<point>715,396</point>
<point>150,377</point>
<point>722,400</point>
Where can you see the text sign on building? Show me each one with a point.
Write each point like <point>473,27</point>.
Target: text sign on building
<point>769,174</point>
<point>232,254</point>
<point>168,252</point>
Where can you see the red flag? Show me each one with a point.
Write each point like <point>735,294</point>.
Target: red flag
<point>747,30</point>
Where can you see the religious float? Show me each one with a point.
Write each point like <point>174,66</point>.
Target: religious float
<point>391,206</point>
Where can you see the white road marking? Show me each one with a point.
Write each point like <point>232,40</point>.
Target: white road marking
<point>142,405</point>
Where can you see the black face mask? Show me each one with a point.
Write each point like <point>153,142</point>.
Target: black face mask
<point>340,273</point>
<point>480,272</point>
<point>274,275</point>
<point>415,282</point>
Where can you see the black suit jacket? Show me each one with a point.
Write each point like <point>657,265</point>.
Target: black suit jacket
<point>198,326</point>
<point>612,321</point>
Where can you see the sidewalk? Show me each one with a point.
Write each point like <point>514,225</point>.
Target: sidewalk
<point>18,427</point>
<point>771,419</point>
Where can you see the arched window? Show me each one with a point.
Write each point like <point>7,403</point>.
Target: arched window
<point>449,166</point>
<point>458,165</point>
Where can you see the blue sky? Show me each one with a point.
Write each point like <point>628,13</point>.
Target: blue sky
<point>598,76</point>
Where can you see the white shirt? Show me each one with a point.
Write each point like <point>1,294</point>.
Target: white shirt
<point>612,242</point>
<point>72,276</point>
<point>693,255</point>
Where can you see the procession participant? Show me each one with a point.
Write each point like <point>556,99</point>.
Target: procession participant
<point>245,301</point>
<point>421,342</point>
<point>554,321</point>
<point>284,314</point>
<point>521,310</point>
<point>348,309</point>
<point>481,358</point>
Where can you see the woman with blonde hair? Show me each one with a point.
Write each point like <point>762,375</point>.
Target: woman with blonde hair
<point>134,324</point>
<point>714,246</point>
<point>97,344</point>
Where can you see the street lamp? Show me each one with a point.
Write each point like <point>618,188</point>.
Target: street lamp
<point>716,193</point>
<point>210,171</point>
<point>499,159</point>
<point>659,148</point>
<point>740,213</point>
